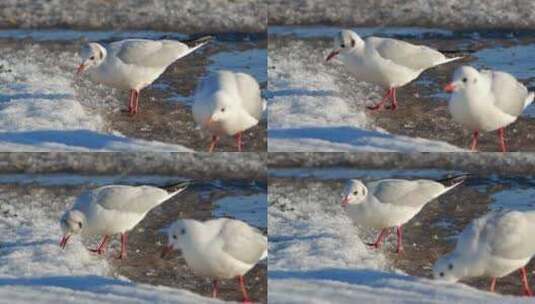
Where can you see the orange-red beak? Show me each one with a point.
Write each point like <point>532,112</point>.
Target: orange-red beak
<point>449,88</point>
<point>332,55</point>
<point>80,69</point>
<point>63,241</point>
<point>345,201</point>
<point>166,250</point>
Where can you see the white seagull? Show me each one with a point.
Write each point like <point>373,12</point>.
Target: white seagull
<point>133,64</point>
<point>486,101</point>
<point>493,246</point>
<point>218,249</point>
<point>386,62</point>
<point>112,209</point>
<point>228,103</point>
<point>392,202</point>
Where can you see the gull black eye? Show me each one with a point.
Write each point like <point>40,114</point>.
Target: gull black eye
<point>183,231</point>
<point>441,274</point>
<point>355,193</point>
<point>80,224</point>
<point>352,42</point>
<point>174,236</point>
<point>450,266</point>
<point>222,109</point>
<point>464,79</point>
<point>342,45</point>
<point>92,58</point>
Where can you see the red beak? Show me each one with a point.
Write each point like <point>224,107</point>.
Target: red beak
<point>80,69</point>
<point>331,55</point>
<point>345,201</point>
<point>449,88</point>
<point>63,241</point>
<point>166,250</point>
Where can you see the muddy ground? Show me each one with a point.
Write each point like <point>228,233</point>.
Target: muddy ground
<point>423,109</point>
<point>432,232</point>
<point>145,241</point>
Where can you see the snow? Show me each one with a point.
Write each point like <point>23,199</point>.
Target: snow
<point>311,107</point>
<point>34,268</point>
<point>41,110</point>
<point>317,256</point>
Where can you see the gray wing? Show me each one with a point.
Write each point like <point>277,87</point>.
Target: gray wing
<point>149,53</point>
<point>249,91</point>
<point>413,193</point>
<point>136,199</point>
<point>403,53</point>
<point>243,242</point>
<point>510,95</point>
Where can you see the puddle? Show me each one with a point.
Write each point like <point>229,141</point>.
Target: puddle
<point>250,209</point>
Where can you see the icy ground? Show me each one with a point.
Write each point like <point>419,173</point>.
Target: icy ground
<point>317,256</point>
<point>34,269</point>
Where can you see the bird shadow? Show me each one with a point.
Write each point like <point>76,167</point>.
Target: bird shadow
<point>11,97</point>
<point>333,134</point>
<point>300,92</point>
<point>79,283</point>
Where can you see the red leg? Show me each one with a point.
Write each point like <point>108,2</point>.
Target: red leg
<point>238,141</point>
<point>136,109</point>
<point>400,240</point>
<point>124,238</point>
<point>493,285</point>
<point>501,133</point>
<point>394,101</point>
<point>474,140</point>
<point>244,291</point>
<point>101,248</point>
<point>131,102</point>
<point>384,233</point>
<point>211,147</point>
<point>525,286</point>
<point>214,289</point>
<point>382,102</point>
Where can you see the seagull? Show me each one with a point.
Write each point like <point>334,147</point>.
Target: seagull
<point>493,246</point>
<point>133,64</point>
<point>486,101</point>
<point>218,249</point>
<point>386,62</point>
<point>112,209</point>
<point>392,202</point>
<point>228,103</point>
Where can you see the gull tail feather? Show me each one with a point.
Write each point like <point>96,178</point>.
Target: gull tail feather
<point>453,181</point>
<point>449,60</point>
<point>200,42</point>
<point>177,188</point>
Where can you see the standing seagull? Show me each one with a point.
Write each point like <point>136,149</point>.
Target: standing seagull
<point>486,101</point>
<point>219,249</point>
<point>133,64</point>
<point>228,103</point>
<point>392,202</point>
<point>112,209</point>
<point>386,62</point>
<point>494,246</point>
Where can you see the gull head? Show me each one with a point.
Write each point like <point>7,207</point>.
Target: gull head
<point>344,42</point>
<point>178,236</point>
<point>464,78</point>
<point>222,108</point>
<point>447,268</point>
<point>354,193</point>
<point>72,222</point>
<point>93,55</point>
